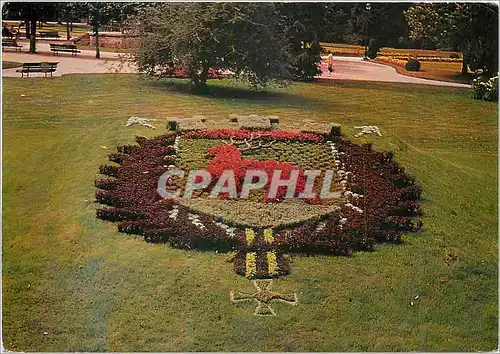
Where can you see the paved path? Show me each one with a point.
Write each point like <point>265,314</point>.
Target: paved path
<point>83,63</point>
<point>345,68</point>
<point>355,68</point>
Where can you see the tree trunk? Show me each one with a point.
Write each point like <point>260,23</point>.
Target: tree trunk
<point>67,31</point>
<point>465,70</point>
<point>33,36</point>
<point>27,28</point>
<point>96,37</point>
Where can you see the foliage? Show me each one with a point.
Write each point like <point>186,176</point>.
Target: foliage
<point>373,49</point>
<point>485,88</point>
<point>303,24</point>
<point>412,65</point>
<point>383,22</point>
<point>196,37</point>
<point>30,12</point>
<point>469,27</point>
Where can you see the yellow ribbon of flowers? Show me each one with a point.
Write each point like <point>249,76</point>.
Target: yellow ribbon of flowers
<point>272,264</point>
<point>268,236</point>
<point>250,265</point>
<point>250,236</point>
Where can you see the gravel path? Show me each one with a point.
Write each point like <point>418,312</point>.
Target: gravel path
<point>355,68</point>
<point>83,63</point>
<point>345,68</point>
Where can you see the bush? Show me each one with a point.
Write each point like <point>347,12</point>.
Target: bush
<point>373,49</point>
<point>454,56</point>
<point>485,89</point>
<point>412,65</point>
<point>108,170</point>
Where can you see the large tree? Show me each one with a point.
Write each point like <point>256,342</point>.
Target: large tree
<point>304,24</point>
<point>380,23</point>
<point>30,12</point>
<point>468,27</point>
<point>246,39</point>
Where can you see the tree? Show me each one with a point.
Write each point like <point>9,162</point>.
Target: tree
<point>377,24</point>
<point>468,27</point>
<point>336,22</point>
<point>30,12</point>
<point>98,14</point>
<point>196,37</point>
<point>70,11</point>
<point>303,24</point>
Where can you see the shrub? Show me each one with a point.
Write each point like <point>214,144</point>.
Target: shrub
<point>126,149</point>
<point>412,65</point>
<point>117,157</point>
<point>485,89</point>
<point>373,49</point>
<point>106,184</point>
<point>108,170</point>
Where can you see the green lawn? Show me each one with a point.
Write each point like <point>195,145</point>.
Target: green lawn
<point>73,283</point>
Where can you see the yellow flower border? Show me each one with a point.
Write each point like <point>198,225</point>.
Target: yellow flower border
<point>250,265</point>
<point>250,236</point>
<point>268,236</point>
<point>272,263</point>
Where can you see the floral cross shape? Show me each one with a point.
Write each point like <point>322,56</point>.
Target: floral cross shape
<point>263,296</point>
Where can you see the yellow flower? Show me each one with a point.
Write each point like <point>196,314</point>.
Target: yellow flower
<point>268,235</point>
<point>250,235</point>
<point>250,265</point>
<point>272,264</point>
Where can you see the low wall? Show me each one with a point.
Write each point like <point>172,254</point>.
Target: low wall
<point>110,40</point>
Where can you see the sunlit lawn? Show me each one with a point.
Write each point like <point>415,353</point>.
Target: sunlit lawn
<point>441,71</point>
<point>73,283</point>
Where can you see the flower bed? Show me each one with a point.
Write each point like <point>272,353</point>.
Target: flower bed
<point>379,202</point>
<point>405,58</point>
<point>246,134</point>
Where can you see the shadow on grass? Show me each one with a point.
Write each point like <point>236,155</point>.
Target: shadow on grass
<point>227,89</point>
<point>396,87</point>
<point>464,79</point>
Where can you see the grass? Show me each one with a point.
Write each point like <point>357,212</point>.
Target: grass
<point>90,288</point>
<point>441,71</point>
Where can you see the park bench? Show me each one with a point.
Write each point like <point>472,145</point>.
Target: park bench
<point>44,67</point>
<point>49,34</point>
<point>70,48</point>
<point>11,43</point>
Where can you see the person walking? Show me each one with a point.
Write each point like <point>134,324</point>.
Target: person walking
<point>330,64</point>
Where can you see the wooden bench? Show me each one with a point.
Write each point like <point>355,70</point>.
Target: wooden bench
<point>44,67</point>
<point>49,34</point>
<point>70,48</point>
<point>11,43</point>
